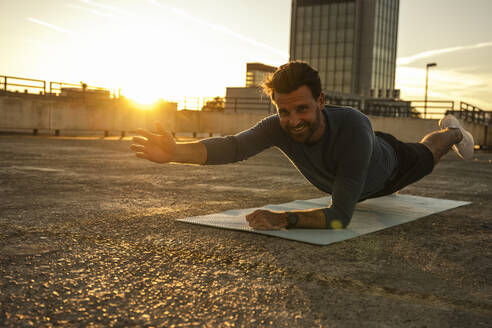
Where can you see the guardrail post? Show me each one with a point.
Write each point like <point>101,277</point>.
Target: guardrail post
<point>5,83</point>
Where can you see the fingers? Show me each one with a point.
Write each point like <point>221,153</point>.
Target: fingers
<point>145,133</point>
<point>253,214</point>
<point>159,128</point>
<point>143,155</point>
<point>140,140</point>
<point>263,226</point>
<point>252,217</point>
<point>265,220</point>
<point>162,131</point>
<point>261,223</point>
<point>138,148</point>
<point>146,156</point>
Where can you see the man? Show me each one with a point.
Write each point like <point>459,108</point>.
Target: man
<point>334,147</point>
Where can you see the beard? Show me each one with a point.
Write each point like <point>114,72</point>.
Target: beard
<point>309,130</point>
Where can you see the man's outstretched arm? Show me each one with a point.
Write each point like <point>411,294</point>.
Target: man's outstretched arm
<point>162,148</point>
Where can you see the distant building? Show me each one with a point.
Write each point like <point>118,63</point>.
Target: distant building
<point>352,43</point>
<point>80,92</point>
<point>251,98</point>
<point>247,99</point>
<point>256,72</point>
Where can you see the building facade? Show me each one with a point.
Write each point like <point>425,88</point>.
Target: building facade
<point>247,100</point>
<point>352,43</point>
<point>256,72</point>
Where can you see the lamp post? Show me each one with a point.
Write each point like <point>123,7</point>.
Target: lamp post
<point>427,85</point>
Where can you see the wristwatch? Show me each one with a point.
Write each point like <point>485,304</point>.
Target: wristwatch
<point>292,219</point>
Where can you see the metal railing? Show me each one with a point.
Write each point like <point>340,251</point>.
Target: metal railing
<point>381,107</point>
<point>340,101</point>
<point>473,114</point>
<point>197,103</point>
<point>192,103</point>
<point>436,109</point>
<point>17,82</point>
<point>432,109</point>
<point>13,83</point>
<point>230,104</point>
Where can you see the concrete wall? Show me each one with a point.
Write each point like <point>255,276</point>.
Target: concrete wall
<point>215,122</point>
<point>19,113</point>
<point>64,113</point>
<point>412,129</point>
<point>55,113</point>
<point>404,128</point>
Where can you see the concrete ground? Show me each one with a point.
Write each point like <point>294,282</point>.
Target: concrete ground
<point>88,238</point>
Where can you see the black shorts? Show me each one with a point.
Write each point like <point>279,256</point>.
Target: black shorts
<point>415,161</point>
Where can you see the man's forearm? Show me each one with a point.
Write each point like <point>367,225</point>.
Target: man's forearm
<point>316,219</point>
<point>190,153</point>
<point>308,219</point>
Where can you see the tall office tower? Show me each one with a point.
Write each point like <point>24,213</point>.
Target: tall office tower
<point>352,43</point>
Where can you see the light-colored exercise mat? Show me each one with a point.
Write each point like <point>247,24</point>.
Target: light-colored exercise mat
<point>370,215</point>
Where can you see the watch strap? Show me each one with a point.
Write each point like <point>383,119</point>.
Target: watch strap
<point>292,219</point>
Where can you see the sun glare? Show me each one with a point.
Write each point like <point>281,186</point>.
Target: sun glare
<point>443,85</point>
<point>158,56</point>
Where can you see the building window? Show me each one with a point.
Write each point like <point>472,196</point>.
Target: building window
<point>340,50</point>
<point>326,36</point>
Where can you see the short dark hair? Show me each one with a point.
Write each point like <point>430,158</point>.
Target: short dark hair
<point>290,77</point>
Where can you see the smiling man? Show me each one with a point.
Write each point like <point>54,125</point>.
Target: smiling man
<point>334,147</point>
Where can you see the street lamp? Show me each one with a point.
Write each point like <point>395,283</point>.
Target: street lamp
<point>427,85</point>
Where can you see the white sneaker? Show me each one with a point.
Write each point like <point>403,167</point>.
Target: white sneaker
<point>466,146</point>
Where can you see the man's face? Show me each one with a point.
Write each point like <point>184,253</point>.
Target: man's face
<point>300,114</point>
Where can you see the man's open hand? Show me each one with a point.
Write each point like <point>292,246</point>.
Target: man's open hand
<point>267,220</point>
<point>159,148</point>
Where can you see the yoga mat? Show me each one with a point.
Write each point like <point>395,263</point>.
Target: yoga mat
<point>370,215</point>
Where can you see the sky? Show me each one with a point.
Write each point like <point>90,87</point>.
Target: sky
<point>171,48</point>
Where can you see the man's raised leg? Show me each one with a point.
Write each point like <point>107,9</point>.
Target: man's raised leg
<point>453,136</point>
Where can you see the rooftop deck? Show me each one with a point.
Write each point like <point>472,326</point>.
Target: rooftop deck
<point>88,237</point>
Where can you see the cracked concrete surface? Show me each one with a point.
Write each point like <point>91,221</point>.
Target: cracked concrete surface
<point>88,238</point>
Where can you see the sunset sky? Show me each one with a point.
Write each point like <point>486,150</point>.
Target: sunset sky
<point>168,48</point>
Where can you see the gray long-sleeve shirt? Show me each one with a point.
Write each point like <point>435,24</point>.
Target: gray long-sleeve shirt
<point>349,161</point>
